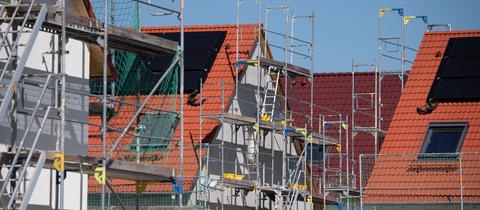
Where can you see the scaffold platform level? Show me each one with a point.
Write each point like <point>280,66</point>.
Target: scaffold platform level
<point>370,130</point>
<point>274,126</point>
<point>115,168</point>
<point>91,30</point>
<point>293,70</point>
<point>269,190</point>
<point>239,184</point>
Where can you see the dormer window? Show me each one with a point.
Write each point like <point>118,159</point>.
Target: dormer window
<point>443,140</point>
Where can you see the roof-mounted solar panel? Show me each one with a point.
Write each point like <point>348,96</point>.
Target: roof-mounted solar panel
<point>458,76</point>
<point>201,50</point>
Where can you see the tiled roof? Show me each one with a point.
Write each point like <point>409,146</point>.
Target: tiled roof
<point>404,179</point>
<point>333,91</point>
<point>223,69</point>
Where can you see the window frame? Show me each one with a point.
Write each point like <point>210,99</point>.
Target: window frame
<point>147,149</point>
<point>442,125</point>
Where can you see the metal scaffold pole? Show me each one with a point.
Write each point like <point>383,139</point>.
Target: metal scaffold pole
<point>259,81</point>
<point>62,102</point>
<point>104,112</point>
<point>236,47</point>
<point>182,91</point>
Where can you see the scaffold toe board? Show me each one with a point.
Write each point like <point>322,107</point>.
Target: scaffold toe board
<point>292,69</point>
<point>240,184</point>
<point>115,168</point>
<point>91,30</point>
<point>118,168</point>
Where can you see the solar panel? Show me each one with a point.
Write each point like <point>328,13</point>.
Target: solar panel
<point>458,76</point>
<point>201,50</point>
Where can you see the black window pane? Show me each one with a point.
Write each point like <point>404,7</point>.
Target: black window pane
<point>316,152</point>
<point>443,141</point>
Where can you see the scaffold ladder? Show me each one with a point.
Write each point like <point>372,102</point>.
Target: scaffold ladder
<point>22,157</point>
<point>272,77</point>
<point>294,179</point>
<point>17,16</point>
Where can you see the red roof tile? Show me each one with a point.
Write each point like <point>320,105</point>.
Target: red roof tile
<point>221,71</point>
<point>333,91</point>
<point>404,179</point>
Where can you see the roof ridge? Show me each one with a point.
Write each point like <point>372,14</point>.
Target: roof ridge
<point>451,32</point>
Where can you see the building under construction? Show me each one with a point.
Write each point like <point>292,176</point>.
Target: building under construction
<point>98,112</point>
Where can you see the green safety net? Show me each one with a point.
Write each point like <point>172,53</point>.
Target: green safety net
<point>134,77</point>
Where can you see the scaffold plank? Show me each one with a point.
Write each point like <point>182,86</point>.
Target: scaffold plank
<point>115,168</point>
<point>275,127</point>
<point>267,62</point>
<point>91,30</point>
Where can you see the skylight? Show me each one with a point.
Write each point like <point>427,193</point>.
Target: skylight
<point>443,139</point>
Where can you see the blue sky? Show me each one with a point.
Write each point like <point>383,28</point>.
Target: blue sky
<point>344,29</point>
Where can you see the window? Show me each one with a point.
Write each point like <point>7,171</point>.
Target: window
<point>446,138</point>
<point>156,131</point>
<point>458,76</point>
<point>316,153</point>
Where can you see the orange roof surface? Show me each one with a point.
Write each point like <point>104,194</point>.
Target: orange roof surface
<point>333,91</point>
<point>399,178</point>
<point>223,69</point>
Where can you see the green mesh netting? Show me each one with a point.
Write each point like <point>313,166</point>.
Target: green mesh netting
<point>133,75</point>
<point>135,79</point>
<point>123,13</point>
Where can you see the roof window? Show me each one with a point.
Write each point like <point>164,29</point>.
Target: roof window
<point>443,140</point>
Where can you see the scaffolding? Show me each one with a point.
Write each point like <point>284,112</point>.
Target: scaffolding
<point>368,103</point>
<point>253,133</point>
<point>24,20</point>
<point>270,150</point>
